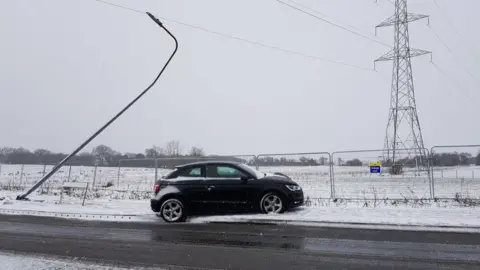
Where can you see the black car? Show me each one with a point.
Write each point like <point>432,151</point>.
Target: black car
<point>220,184</point>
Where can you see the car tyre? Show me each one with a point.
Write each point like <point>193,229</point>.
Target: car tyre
<point>272,203</point>
<point>172,210</point>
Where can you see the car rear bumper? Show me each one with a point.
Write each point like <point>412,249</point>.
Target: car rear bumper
<point>154,205</point>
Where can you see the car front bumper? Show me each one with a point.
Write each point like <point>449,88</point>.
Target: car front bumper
<point>295,199</point>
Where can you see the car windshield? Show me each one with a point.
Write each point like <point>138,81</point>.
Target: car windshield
<point>256,173</point>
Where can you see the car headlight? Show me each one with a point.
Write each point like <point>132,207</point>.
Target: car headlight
<point>294,187</point>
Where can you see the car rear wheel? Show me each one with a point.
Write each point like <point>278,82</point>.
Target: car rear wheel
<point>272,203</point>
<point>172,210</point>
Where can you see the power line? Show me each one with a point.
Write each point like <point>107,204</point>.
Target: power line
<point>448,48</point>
<point>244,39</point>
<point>334,24</point>
<point>446,18</point>
<point>440,39</point>
<point>119,6</point>
<point>324,15</point>
<point>390,1</point>
<point>462,88</point>
<point>449,22</point>
<point>411,2</point>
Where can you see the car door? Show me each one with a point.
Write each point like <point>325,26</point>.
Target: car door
<point>224,185</point>
<point>191,182</point>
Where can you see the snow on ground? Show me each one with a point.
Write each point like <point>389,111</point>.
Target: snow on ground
<point>429,213</point>
<point>16,261</point>
<point>97,209</point>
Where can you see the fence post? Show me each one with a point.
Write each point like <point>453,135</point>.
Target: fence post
<point>118,173</point>
<point>94,176</point>
<point>21,175</point>
<point>432,184</point>
<point>44,170</point>
<point>429,170</point>
<point>86,189</point>
<point>69,173</point>
<point>332,177</point>
<point>156,171</point>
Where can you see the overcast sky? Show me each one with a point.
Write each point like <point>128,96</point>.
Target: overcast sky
<point>66,67</point>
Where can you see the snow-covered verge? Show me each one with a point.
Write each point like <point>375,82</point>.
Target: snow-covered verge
<point>460,213</point>
<point>15,261</point>
<point>71,207</point>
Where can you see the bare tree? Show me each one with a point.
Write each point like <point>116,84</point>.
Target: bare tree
<point>196,152</point>
<point>154,152</point>
<point>104,155</point>
<point>42,152</point>
<point>172,148</point>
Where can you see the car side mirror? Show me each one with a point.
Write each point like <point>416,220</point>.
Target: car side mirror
<point>245,178</point>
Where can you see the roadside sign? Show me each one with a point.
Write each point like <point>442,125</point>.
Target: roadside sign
<point>375,167</point>
<point>375,164</point>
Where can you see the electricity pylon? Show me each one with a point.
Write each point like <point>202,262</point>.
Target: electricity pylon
<point>403,140</point>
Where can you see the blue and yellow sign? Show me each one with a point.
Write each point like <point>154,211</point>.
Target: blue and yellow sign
<point>375,167</point>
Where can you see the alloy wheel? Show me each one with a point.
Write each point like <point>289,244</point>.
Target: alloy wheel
<point>172,210</point>
<point>272,204</point>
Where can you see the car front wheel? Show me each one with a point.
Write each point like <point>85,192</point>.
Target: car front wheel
<point>272,203</point>
<point>172,210</point>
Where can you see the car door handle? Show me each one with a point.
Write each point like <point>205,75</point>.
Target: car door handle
<point>210,187</point>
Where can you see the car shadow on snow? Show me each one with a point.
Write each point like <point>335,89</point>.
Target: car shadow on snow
<point>232,212</point>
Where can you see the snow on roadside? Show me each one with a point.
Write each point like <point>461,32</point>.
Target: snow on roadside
<point>393,215</point>
<point>426,214</point>
<point>15,261</point>
<point>98,209</point>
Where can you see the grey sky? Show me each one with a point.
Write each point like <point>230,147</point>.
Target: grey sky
<point>68,66</point>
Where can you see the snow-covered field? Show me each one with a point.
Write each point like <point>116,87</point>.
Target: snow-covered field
<point>316,181</point>
<point>16,261</point>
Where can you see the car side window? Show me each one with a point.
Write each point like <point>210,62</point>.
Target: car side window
<point>191,172</point>
<point>223,171</point>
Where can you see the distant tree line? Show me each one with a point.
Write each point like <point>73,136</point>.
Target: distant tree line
<point>284,161</point>
<point>171,154</point>
<point>438,160</point>
<point>101,155</point>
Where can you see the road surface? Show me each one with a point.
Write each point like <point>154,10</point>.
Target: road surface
<point>237,246</point>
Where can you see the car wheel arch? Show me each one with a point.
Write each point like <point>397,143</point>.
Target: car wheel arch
<point>273,190</point>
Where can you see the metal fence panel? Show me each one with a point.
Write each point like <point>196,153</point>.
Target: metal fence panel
<point>452,172</point>
<point>136,174</point>
<point>20,177</point>
<point>353,180</point>
<point>456,171</point>
<point>309,170</point>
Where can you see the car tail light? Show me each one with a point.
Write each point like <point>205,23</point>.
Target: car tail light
<point>156,188</point>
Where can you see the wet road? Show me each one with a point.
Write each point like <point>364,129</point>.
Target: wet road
<point>237,246</point>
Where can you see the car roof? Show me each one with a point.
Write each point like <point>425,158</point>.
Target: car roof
<point>208,162</point>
